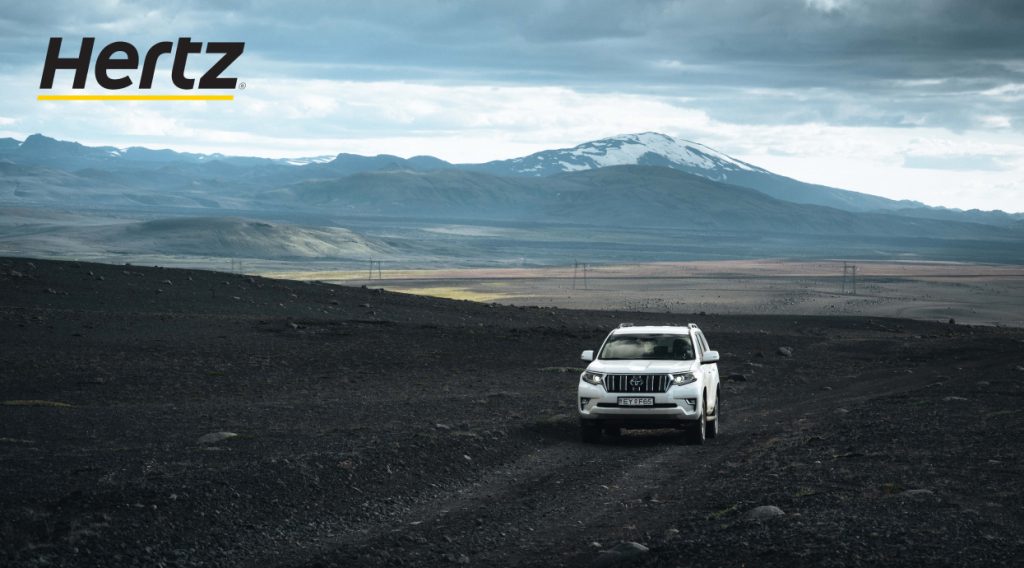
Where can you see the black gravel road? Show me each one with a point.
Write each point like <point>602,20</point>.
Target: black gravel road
<point>158,417</point>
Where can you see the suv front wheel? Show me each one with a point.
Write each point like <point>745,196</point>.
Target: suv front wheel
<point>715,424</point>
<point>697,433</point>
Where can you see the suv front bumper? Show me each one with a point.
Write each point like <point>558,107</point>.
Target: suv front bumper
<point>680,405</point>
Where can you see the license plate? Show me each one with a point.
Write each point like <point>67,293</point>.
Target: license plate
<point>636,401</point>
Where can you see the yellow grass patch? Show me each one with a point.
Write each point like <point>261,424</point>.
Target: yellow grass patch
<point>302,275</point>
<point>453,293</point>
<point>49,403</point>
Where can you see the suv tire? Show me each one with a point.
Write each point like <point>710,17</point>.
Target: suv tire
<point>696,434</point>
<point>713,428</point>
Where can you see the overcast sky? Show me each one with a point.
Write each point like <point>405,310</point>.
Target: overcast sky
<point>918,99</point>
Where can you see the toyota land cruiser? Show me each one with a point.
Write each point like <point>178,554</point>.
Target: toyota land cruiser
<point>651,377</point>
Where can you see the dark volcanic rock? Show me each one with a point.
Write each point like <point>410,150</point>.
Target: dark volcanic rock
<point>214,437</point>
<point>339,461</point>
<point>621,554</point>
<point>763,513</point>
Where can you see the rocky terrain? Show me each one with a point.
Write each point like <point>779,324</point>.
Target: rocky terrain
<point>159,417</point>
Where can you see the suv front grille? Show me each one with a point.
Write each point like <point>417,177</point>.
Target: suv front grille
<point>636,383</point>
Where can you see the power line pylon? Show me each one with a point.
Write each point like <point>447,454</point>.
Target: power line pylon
<point>580,269</point>
<point>850,275</point>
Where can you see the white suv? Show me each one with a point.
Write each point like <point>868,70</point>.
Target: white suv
<point>651,377</point>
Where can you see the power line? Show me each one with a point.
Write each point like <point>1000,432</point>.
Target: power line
<point>580,269</point>
<point>375,263</point>
<point>850,275</point>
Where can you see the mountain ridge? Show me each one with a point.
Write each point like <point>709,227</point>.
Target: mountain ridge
<point>643,149</point>
<point>613,196</point>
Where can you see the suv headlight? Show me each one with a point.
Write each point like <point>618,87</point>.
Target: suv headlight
<point>592,378</point>
<point>684,378</point>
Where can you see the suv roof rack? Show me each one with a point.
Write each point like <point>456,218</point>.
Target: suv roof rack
<point>689,325</point>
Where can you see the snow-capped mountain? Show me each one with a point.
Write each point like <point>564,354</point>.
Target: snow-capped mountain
<point>655,149</point>
<point>306,161</point>
<point>644,149</point>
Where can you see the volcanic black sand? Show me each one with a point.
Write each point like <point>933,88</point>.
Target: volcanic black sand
<point>379,429</point>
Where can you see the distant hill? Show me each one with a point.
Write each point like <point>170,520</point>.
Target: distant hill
<point>196,236</point>
<point>998,218</point>
<point>344,164</point>
<point>436,194</point>
<point>618,196</point>
<point>220,236</point>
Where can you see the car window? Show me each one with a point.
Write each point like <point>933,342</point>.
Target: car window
<point>648,346</point>
<point>703,342</point>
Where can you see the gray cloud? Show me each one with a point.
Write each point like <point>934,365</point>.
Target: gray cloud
<point>903,62</point>
<point>974,162</point>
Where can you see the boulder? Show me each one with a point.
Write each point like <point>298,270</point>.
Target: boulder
<point>917,493</point>
<point>763,513</point>
<point>622,553</point>
<point>214,437</point>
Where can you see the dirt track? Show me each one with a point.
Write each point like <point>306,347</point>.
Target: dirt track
<point>383,429</point>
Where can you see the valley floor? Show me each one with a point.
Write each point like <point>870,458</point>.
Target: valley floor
<point>381,429</point>
<point>935,291</point>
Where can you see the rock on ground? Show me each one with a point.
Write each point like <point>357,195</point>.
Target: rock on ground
<point>214,437</point>
<point>763,513</point>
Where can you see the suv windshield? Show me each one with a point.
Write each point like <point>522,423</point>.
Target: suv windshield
<point>660,346</point>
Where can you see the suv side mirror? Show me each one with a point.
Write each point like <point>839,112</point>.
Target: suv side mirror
<point>587,355</point>
<point>709,357</point>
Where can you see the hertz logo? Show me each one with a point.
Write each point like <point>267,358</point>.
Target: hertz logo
<point>114,60</point>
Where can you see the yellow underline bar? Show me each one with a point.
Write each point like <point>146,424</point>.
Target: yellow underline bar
<point>135,97</point>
